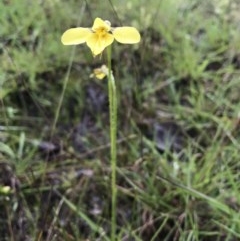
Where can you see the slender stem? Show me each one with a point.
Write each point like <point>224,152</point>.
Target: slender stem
<point>81,14</point>
<point>65,83</point>
<point>112,95</point>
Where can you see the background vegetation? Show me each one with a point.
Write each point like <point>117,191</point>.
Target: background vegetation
<point>178,130</point>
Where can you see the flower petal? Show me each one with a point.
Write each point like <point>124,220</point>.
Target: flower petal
<point>98,43</point>
<point>75,36</point>
<point>126,35</point>
<point>99,74</point>
<point>99,23</point>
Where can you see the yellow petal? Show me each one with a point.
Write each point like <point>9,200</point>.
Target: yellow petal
<point>97,43</point>
<point>75,36</point>
<point>99,23</point>
<point>126,35</point>
<point>99,74</point>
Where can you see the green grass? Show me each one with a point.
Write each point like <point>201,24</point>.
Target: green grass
<point>178,131</point>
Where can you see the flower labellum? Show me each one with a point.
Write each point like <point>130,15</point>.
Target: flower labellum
<point>100,36</point>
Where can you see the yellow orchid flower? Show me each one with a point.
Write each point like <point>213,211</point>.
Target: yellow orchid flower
<point>100,73</point>
<point>5,189</point>
<point>100,36</point>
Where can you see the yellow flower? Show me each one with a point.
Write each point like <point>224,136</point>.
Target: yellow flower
<point>101,72</point>
<point>5,189</point>
<point>100,36</point>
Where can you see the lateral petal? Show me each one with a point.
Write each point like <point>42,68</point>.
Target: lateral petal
<point>98,43</point>
<point>75,36</point>
<point>126,35</point>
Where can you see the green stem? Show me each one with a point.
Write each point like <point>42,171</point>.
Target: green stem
<point>65,83</point>
<point>112,95</point>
